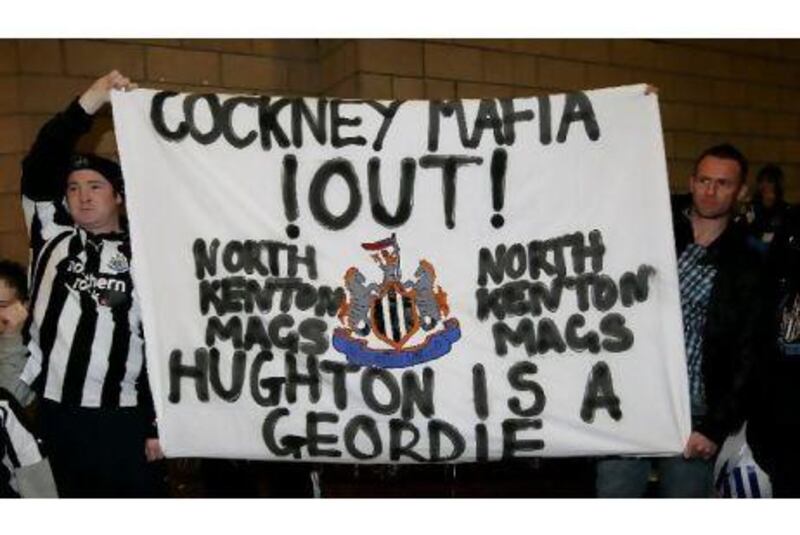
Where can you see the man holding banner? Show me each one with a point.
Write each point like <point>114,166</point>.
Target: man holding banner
<point>84,333</point>
<point>721,300</point>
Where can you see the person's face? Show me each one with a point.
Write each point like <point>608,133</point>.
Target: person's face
<point>768,194</point>
<point>92,201</point>
<point>8,296</point>
<point>715,186</point>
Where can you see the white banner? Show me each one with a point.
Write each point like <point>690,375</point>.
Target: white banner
<point>405,281</point>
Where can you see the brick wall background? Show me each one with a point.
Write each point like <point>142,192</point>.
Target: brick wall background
<point>39,77</point>
<point>743,91</point>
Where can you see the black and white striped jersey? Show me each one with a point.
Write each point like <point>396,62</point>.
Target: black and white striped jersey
<point>18,446</point>
<point>84,332</point>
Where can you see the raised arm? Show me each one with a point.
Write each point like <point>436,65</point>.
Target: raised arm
<point>47,163</point>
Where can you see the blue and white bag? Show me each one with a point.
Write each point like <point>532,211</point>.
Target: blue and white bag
<point>736,473</point>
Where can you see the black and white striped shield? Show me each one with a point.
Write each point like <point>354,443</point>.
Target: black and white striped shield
<point>394,314</point>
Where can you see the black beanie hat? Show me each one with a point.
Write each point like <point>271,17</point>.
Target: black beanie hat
<point>110,170</point>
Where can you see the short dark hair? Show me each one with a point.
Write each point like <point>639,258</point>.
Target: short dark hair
<point>724,151</point>
<point>15,276</point>
<point>773,174</point>
<point>109,169</point>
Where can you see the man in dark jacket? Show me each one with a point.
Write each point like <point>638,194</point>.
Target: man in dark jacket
<point>720,285</point>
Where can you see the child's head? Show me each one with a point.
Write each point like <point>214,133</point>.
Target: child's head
<point>13,295</point>
<point>13,284</point>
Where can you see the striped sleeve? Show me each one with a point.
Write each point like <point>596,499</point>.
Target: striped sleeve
<point>45,305</point>
<point>44,171</point>
<point>22,448</point>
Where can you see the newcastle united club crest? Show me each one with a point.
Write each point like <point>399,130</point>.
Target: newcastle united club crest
<point>397,323</point>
